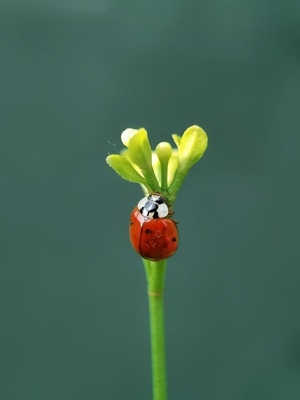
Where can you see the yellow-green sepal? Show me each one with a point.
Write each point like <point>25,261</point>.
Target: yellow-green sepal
<point>123,167</point>
<point>140,154</point>
<point>191,147</point>
<point>139,150</point>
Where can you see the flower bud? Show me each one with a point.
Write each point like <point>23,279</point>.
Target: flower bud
<point>164,151</point>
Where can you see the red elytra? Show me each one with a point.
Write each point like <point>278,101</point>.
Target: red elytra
<point>153,238</point>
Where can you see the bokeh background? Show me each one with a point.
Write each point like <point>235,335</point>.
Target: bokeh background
<point>74,317</point>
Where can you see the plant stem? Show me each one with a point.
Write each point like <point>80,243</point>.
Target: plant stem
<point>164,177</point>
<point>155,272</point>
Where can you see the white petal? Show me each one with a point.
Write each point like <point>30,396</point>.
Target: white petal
<point>127,135</point>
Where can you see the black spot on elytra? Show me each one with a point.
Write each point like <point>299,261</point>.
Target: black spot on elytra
<point>173,239</point>
<point>148,231</point>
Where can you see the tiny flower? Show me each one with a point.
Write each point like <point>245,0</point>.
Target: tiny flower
<point>163,169</point>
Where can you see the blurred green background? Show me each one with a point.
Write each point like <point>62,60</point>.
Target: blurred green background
<point>74,317</point>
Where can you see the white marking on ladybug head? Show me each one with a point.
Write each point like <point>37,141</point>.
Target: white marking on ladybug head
<point>156,198</point>
<point>142,202</point>
<point>162,210</point>
<point>153,206</point>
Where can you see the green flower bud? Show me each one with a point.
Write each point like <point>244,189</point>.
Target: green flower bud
<point>164,151</point>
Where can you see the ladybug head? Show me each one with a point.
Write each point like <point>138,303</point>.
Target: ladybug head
<point>153,206</point>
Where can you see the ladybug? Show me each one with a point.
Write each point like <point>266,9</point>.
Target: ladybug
<point>153,234</point>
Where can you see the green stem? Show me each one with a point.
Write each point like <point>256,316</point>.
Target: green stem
<point>176,183</point>
<point>155,272</point>
<point>151,179</point>
<point>164,177</point>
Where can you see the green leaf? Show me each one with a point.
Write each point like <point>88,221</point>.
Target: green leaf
<point>124,168</point>
<point>192,147</point>
<point>139,150</point>
<point>177,139</point>
<point>140,154</point>
<point>173,165</point>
